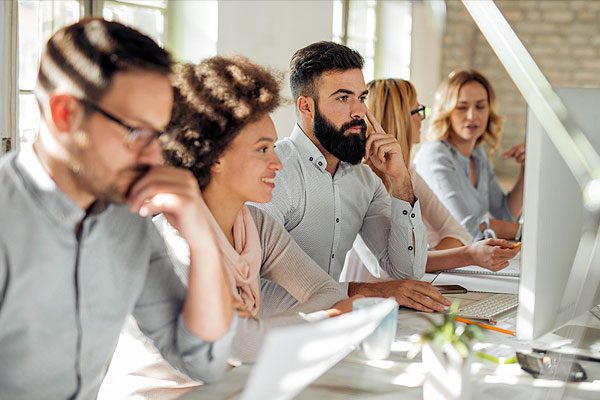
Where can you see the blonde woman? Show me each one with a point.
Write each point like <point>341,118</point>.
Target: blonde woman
<point>394,103</point>
<point>455,165</point>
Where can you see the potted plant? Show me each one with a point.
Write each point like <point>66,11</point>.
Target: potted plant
<point>446,353</point>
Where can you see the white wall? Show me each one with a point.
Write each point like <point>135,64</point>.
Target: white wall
<point>269,32</point>
<point>427,36</point>
<point>192,29</point>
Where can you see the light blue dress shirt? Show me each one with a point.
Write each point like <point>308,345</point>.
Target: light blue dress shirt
<point>63,299</point>
<point>448,174</point>
<point>325,213</point>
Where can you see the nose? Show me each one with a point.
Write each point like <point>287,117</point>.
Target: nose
<point>276,163</point>
<point>151,154</point>
<point>359,110</point>
<point>419,123</point>
<point>470,113</point>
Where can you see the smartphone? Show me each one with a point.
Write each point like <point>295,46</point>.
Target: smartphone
<point>543,366</point>
<point>450,289</point>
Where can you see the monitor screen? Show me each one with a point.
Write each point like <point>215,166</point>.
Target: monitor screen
<point>553,219</point>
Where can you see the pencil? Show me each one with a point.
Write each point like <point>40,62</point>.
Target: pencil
<point>485,326</point>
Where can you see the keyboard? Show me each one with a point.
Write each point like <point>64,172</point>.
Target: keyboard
<point>491,308</point>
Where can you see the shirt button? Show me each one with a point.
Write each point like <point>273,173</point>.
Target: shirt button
<point>333,256</point>
<point>405,212</point>
<point>337,220</point>
<point>310,159</point>
<point>412,215</point>
<point>410,248</point>
<point>320,164</point>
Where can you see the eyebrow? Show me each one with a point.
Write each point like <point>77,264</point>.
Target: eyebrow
<point>265,139</point>
<point>347,91</point>
<point>476,101</point>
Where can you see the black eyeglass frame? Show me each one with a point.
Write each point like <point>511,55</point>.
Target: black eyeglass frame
<point>421,111</point>
<point>144,135</point>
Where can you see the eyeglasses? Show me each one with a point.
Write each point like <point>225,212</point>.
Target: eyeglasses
<point>136,138</point>
<point>420,110</point>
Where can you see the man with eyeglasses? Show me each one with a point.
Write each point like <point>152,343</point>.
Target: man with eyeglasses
<point>325,196</point>
<point>78,252</point>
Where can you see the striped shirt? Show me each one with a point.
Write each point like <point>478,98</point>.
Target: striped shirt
<point>325,213</point>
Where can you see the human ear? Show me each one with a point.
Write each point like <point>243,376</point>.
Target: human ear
<point>217,167</point>
<point>65,111</point>
<point>306,106</point>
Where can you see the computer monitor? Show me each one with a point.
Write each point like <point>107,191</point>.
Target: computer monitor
<point>553,220</point>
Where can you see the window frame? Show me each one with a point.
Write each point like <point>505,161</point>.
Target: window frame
<point>87,8</point>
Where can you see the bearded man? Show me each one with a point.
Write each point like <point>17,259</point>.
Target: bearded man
<point>325,196</point>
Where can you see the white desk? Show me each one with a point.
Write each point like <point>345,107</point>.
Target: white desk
<point>354,378</point>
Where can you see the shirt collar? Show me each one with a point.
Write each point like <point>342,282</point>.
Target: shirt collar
<point>46,194</point>
<point>465,161</point>
<point>311,154</point>
<point>307,149</point>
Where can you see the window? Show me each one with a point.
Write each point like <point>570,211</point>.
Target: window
<point>355,26</point>
<point>380,31</point>
<point>38,19</point>
<point>149,16</point>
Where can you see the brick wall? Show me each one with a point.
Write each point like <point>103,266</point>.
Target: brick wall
<point>562,36</point>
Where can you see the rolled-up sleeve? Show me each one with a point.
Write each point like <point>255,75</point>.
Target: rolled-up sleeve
<point>396,235</point>
<point>203,360</point>
<point>158,312</point>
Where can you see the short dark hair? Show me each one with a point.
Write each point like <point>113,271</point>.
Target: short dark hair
<point>213,101</point>
<point>84,56</point>
<point>310,62</point>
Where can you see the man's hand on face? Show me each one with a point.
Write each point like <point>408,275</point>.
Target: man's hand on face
<point>421,296</point>
<point>175,193</point>
<point>384,151</point>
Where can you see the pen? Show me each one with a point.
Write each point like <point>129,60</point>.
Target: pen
<point>484,326</point>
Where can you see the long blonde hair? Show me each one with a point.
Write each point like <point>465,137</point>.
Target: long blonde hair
<point>391,101</point>
<point>446,99</point>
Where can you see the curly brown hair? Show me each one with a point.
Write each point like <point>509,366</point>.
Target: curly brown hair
<point>213,101</point>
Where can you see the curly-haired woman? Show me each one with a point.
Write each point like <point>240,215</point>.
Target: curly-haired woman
<point>455,165</point>
<point>222,132</point>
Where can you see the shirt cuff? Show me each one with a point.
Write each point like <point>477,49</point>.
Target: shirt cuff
<point>205,361</point>
<point>406,215</point>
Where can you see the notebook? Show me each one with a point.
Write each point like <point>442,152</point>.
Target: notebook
<point>513,269</point>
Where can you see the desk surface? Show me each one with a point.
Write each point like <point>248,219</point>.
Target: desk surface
<point>354,378</point>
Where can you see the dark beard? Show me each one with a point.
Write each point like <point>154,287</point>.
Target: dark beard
<point>350,148</point>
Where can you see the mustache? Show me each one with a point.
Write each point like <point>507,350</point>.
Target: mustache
<point>357,122</point>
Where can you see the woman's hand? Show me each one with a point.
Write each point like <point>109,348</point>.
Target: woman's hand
<point>344,306</point>
<point>492,254</point>
<point>517,152</point>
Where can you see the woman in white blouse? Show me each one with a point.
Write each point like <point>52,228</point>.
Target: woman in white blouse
<point>394,103</point>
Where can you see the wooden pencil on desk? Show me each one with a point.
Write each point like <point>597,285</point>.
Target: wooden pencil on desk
<point>484,326</point>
